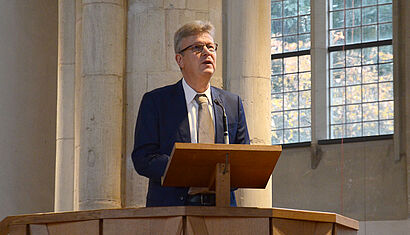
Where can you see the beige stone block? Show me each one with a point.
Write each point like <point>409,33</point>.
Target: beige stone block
<point>175,4</point>
<point>160,79</point>
<point>217,81</point>
<point>66,32</point>
<point>318,24</point>
<point>197,5</point>
<point>202,16</point>
<point>65,101</point>
<point>64,180</point>
<point>253,58</point>
<point>103,96</point>
<point>261,198</point>
<point>116,2</point>
<point>78,100</point>
<point>78,11</point>
<point>174,20</point>
<point>103,39</point>
<point>215,17</point>
<point>136,86</point>
<point>132,4</point>
<point>100,143</point>
<point>217,78</point>
<point>78,37</point>
<point>136,185</point>
<point>399,227</point>
<point>146,41</point>
<point>255,94</point>
<point>97,204</point>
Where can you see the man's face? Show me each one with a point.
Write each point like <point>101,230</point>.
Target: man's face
<point>194,64</point>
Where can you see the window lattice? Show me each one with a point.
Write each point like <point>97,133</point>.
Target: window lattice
<point>291,77</point>
<point>361,68</point>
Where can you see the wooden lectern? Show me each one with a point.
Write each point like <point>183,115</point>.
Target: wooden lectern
<point>221,167</point>
<point>216,166</point>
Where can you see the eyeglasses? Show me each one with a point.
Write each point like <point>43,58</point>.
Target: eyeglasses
<point>199,48</point>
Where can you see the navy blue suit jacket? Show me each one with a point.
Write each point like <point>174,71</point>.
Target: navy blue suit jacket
<point>162,121</point>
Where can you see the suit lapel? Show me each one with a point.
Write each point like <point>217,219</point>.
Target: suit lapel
<point>218,115</point>
<point>181,114</point>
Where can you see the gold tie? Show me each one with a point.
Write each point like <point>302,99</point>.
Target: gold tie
<point>206,131</point>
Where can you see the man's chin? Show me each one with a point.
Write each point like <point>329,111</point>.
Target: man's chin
<point>209,71</point>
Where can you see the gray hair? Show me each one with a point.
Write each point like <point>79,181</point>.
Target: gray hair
<point>190,29</point>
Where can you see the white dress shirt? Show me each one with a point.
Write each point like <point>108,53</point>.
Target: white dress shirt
<point>192,108</point>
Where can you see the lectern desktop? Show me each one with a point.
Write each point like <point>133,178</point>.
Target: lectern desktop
<point>221,167</point>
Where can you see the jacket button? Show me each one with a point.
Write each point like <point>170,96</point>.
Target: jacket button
<point>181,198</point>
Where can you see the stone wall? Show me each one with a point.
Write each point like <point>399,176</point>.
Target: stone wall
<point>28,80</point>
<point>360,180</point>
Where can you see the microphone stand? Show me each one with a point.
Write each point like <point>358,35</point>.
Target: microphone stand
<point>225,122</point>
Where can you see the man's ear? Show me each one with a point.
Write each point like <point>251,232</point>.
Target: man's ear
<point>180,62</point>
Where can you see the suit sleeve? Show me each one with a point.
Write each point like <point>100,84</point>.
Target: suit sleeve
<point>242,135</point>
<point>146,156</point>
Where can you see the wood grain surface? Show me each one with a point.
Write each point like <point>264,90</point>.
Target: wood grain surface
<point>16,225</point>
<point>192,165</point>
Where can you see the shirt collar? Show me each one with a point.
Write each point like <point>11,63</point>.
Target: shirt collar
<point>191,93</point>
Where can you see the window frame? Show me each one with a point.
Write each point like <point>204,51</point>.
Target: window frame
<point>361,45</point>
<point>283,55</point>
<point>319,52</point>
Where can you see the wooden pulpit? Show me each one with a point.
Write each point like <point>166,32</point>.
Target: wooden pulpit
<point>182,220</point>
<point>219,167</point>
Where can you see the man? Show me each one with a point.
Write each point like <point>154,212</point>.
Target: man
<point>185,112</point>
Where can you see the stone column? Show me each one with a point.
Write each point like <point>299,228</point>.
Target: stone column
<point>151,63</point>
<point>77,94</point>
<point>64,176</point>
<point>319,71</point>
<point>247,73</point>
<point>99,103</point>
<point>401,51</point>
<point>28,84</point>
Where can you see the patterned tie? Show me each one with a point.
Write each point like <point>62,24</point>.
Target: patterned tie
<point>206,131</point>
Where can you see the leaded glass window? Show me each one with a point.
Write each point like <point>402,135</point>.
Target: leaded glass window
<point>360,68</point>
<point>290,77</point>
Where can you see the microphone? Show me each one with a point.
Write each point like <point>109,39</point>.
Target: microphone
<point>225,121</point>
